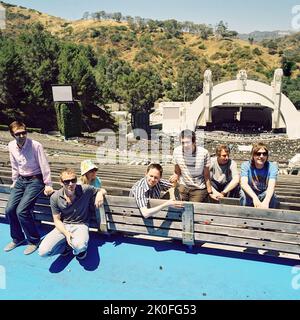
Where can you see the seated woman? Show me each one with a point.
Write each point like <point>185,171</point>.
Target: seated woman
<point>89,174</point>
<point>258,179</point>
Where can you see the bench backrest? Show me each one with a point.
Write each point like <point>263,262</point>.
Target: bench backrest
<point>196,223</point>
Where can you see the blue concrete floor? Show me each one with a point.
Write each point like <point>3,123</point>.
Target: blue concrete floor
<point>124,268</point>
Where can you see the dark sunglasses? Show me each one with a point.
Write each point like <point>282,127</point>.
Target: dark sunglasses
<point>67,182</point>
<point>261,154</point>
<point>23,133</point>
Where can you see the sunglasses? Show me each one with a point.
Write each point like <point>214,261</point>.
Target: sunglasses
<point>23,133</point>
<point>67,182</point>
<point>261,154</point>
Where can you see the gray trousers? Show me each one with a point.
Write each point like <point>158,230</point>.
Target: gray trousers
<point>55,242</point>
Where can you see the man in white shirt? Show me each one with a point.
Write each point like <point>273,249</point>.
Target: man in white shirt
<point>192,164</point>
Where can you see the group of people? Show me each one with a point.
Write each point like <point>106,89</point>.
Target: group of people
<point>200,178</point>
<point>197,177</point>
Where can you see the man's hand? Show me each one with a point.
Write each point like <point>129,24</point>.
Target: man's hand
<point>99,199</point>
<point>174,178</point>
<point>48,191</point>
<point>69,238</point>
<point>265,204</point>
<point>175,203</point>
<point>257,203</point>
<point>12,185</point>
<point>214,196</point>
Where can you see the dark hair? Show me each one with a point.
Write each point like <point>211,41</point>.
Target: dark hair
<point>221,147</point>
<point>16,125</point>
<point>187,133</point>
<point>255,148</point>
<point>156,166</point>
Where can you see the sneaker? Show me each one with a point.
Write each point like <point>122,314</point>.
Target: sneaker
<point>251,251</point>
<point>272,253</point>
<point>12,245</point>
<point>31,248</point>
<point>81,255</point>
<point>67,251</point>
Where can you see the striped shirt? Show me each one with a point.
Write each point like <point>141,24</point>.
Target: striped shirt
<point>142,192</point>
<point>192,166</point>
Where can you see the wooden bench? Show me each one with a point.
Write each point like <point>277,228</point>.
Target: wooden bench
<point>194,224</point>
<point>286,202</point>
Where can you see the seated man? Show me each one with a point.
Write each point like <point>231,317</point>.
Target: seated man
<point>150,187</point>
<point>70,208</point>
<point>224,174</point>
<point>258,179</point>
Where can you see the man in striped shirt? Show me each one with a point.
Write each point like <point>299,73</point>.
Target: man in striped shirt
<point>150,187</point>
<point>192,169</point>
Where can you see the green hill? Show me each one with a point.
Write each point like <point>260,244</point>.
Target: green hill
<point>133,62</point>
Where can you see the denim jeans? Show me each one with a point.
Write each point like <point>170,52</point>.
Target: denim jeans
<point>247,201</point>
<point>55,241</point>
<point>18,210</point>
<point>235,193</point>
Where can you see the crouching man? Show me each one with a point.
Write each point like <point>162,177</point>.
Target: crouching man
<point>70,207</point>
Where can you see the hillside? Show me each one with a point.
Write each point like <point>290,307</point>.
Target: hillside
<point>133,62</point>
<point>142,47</point>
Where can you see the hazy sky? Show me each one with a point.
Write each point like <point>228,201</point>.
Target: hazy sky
<point>242,16</point>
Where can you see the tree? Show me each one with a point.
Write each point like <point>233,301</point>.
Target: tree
<point>251,40</point>
<point>188,83</point>
<point>75,68</point>
<point>12,83</point>
<point>117,16</point>
<point>39,51</point>
<point>86,15</point>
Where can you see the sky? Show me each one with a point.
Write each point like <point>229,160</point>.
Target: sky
<point>242,16</point>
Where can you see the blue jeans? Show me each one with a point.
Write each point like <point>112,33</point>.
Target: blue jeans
<point>18,210</point>
<point>235,193</point>
<point>247,201</point>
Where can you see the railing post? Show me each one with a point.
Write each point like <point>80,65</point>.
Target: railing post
<point>101,219</point>
<point>188,224</point>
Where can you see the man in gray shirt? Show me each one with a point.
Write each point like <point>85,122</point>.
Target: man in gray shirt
<point>224,174</point>
<point>71,212</point>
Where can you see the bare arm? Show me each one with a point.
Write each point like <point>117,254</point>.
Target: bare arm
<point>148,212</point>
<point>206,174</point>
<point>100,197</point>
<point>177,173</point>
<point>232,184</point>
<point>245,186</point>
<point>269,193</point>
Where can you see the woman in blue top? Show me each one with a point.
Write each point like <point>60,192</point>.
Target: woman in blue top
<point>89,174</point>
<point>258,179</point>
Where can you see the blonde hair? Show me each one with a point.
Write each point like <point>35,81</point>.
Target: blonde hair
<point>84,179</point>
<point>15,126</point>
<point>68,171</point>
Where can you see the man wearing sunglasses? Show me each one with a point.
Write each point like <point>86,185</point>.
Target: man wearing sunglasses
<point>258,179</point>
<point>30,176</point>
<point>71,212</point>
